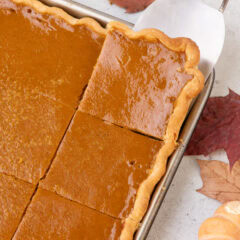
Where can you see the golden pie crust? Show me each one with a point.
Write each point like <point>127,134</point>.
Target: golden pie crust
<point>181,105</point>
<point>54,11</point>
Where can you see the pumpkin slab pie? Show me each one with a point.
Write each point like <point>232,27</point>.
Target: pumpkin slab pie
<point>144,81</point>
<point>98,165</point>
<point>46,50</point>
<point>51,217</point>
<point>14,198</point>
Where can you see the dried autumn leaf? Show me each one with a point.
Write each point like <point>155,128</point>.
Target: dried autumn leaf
<point>218,128</point>
<point>132,6</point>
<point>219,182</point>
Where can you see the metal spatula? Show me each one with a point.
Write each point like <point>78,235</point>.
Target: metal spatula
<point>189,18</point>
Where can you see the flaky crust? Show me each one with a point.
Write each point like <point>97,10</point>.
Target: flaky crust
<point>59,13</point>
<point>181,106</point>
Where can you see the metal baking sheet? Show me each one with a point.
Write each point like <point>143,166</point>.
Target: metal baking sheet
<point>79,10</point>
<point>175,159</point>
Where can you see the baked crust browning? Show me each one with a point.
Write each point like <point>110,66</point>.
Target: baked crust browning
<point>58,12</point>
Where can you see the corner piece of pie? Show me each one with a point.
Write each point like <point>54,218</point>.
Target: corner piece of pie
<point>87,161</point>
<point>144,81</point>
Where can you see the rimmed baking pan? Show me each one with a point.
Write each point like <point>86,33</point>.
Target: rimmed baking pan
<point>79,10</point>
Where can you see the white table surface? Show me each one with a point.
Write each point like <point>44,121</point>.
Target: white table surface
<point>184,209</point>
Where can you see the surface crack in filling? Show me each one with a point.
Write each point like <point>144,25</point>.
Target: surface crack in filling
<point>85,171</point>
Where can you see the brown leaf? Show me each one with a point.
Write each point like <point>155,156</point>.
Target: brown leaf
<point>219,182</point>
<point>132,6</point>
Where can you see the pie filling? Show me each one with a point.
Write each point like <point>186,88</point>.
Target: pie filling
<point>136,85</point>
<point>31,128</point>
<point>101,165</point>
<point>45,54</point>
<point>85,173</point>
<point>52,217</point>
<point>14,197</point>
<point>45,63</point>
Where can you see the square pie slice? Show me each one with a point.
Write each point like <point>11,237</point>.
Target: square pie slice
<point>14,198</point>
<point>31,127</point>
<point>101,165</point>
<point>45,50</point>
<point>144,81</point>
<point>51,217</point>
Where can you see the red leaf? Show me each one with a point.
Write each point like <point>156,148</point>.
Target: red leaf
<point>218,128</point>
<point>132,6</point>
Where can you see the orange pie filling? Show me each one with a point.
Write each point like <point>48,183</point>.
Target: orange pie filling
<point>135,83</point>
<point>101,165</point>
<point>51,217</point>
<point>97,174</point>
<point>31,129</point>
<point>14,197</point>
<point>45,62</point>
<point>42,52</point>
